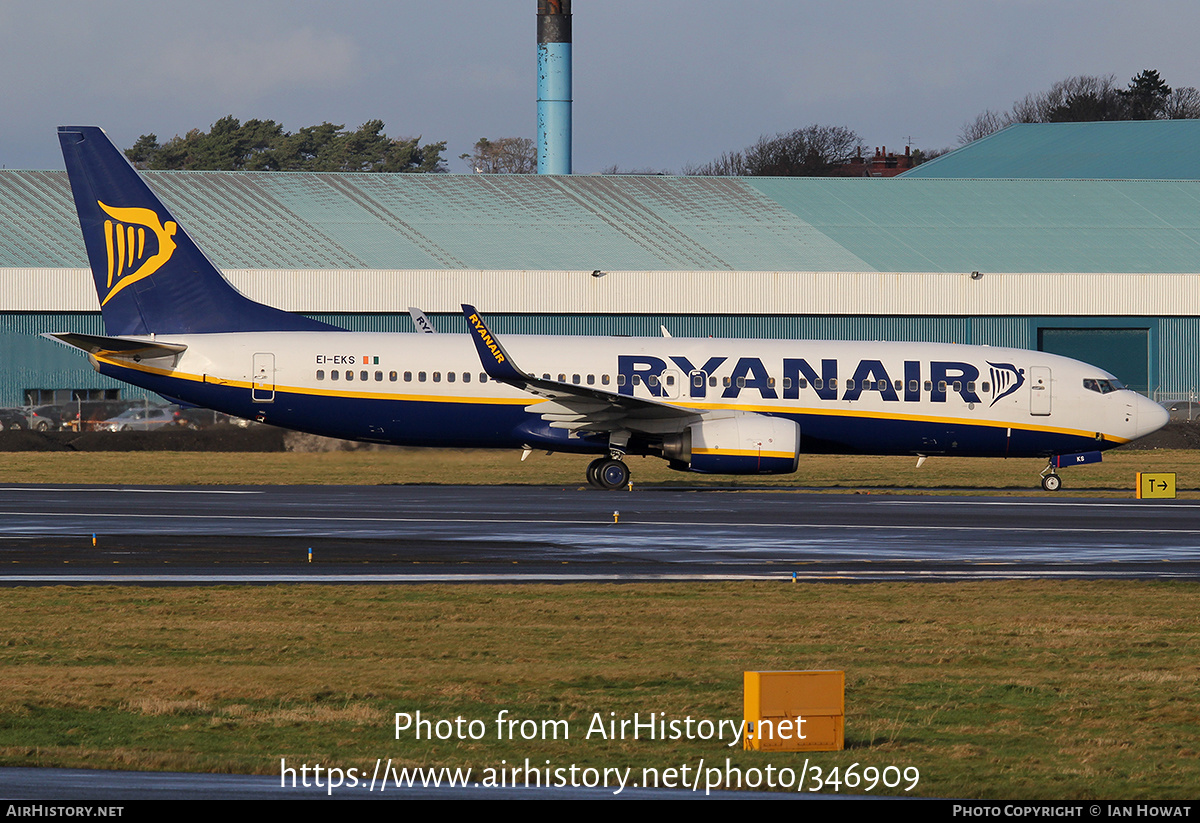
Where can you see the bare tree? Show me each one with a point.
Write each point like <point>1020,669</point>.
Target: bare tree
<point>984,124</point>
<point>1183,104</point>
<point>806,152</point>
<point>1088,98</point>
<point>729,164</point>
<point>505,155</point>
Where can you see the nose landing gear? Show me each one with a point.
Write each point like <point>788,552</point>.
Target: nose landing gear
<point>1051,482</point>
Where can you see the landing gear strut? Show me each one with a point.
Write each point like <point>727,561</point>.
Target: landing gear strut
<point>607,473</point>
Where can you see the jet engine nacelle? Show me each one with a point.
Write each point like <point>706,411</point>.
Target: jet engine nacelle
<point>746,444</point>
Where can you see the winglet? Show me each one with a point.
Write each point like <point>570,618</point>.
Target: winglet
<point>496,361</point>
<point>421,321</point>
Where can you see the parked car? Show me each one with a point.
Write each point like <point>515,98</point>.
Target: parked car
<point>15,419</point>
<point>45,418</point>
<point>12,420</point>
<point>141,419</point>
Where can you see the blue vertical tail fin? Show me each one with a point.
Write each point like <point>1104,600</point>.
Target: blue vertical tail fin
<point>151,278</point>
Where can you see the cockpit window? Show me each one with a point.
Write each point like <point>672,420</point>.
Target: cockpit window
<point>1102,386</point>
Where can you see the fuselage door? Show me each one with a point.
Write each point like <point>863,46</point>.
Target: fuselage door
<point>262,381</point>
<point>1039,390</point>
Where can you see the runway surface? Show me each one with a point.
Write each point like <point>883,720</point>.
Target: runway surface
<point>384,534</point>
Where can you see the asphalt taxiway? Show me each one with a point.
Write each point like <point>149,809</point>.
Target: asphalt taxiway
<point>207,535</point>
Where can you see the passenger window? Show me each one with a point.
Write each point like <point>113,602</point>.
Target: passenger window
<point>450,376</point>
<point>392,376</point>
<point>929,386</point>
<point>698,380</point>
<point>591,380</point>
<point>652,380</point>
<point>850,383</point>
<point>408,377</point>
<point>725,381</point>
<point>712,381</point>
<point>913,385</point>
<point>349,374</point>
<point>941,385</point>
<point>670,380</point>
<point>420,377</point>
<point>378,377</point>
<point>320,374</point>
<point>362,375</point>
<point>637,380</point>
<point>604,379</point>
<point>900,385</point>
<point>986,387</point>
<point>802,382</point>
<point>333,374</point>
<point>957,385</point>
<point>787,382</point>
<point>819,383</point>
<point>971,385</point>
<point>741,381</point>
<point>575,379</point>
<point>483,378</point>
<point>437,377</point>
<point>562,378</point>
<point>466,377</point>
<point>771,382</point>
<point>620,380</point>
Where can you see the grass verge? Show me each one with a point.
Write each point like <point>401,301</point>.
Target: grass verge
<point>992,690</point>
<point>1113,477</point>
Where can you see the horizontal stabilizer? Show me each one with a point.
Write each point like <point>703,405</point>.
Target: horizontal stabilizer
<point>118,346</point>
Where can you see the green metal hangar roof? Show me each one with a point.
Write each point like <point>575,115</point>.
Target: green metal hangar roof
<point>1129,150</point>
<point>1083,267</point>
<point>380,243</point>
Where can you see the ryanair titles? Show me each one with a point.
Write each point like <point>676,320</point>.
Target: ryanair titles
<point>913,381</point>
<point>485,337</point>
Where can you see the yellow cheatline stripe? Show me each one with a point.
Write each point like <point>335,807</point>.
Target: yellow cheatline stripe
<point>744,453</point>
<point>249,384</point>
<point>790,410</point>
<point>910,418</point>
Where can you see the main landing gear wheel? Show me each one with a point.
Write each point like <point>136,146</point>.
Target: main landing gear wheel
<point>1051,482</point>
<point>607,473</point>
<point>592,478</point>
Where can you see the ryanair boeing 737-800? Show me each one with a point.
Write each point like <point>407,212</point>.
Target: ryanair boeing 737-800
<point>175,326</point>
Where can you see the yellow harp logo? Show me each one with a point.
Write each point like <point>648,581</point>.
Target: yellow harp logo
<point>129,253</point>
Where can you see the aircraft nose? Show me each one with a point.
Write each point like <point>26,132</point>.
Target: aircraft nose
<point>1150,417</point>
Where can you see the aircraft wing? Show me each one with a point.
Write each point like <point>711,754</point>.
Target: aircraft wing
<point>574,407</point>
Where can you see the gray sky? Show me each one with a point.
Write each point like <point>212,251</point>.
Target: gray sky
<point>657,84</point>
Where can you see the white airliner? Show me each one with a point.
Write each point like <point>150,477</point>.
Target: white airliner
<point>731,406</point>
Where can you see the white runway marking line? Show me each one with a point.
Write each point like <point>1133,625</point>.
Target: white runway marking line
<point>132,491</point>
<point>779,577</point>
<point>1130,503</point>
<point>742,525</point>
